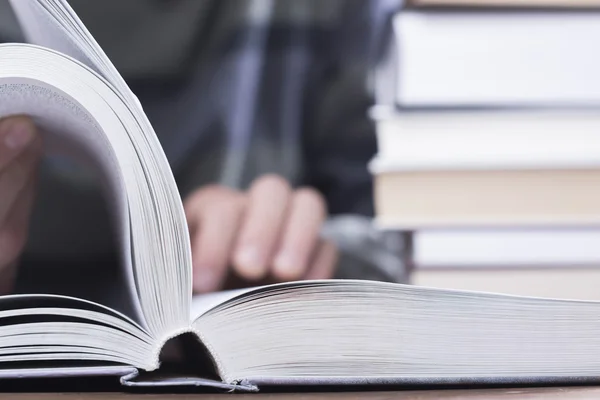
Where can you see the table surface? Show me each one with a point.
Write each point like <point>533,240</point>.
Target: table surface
<point>555,393</point>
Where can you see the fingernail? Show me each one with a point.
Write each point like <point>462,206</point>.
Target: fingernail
<point>18,136</point>
<point>250,260</point>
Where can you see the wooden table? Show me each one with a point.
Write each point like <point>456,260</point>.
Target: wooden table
<point>556,393</point>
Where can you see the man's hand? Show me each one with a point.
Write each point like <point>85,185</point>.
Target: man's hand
<point>270,233</point>
<point>20,150</point>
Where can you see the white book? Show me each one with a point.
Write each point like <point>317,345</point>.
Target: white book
<point>316,332</point>
<point>493,248</point>
<point>487,140</point>
<point>487,58</point>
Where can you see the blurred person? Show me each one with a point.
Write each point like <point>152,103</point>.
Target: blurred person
<point>261,107</point>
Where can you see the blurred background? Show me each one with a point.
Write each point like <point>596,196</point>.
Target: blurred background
<point>471,147</point>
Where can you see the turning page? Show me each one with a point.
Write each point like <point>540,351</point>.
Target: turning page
<point>153,212</point>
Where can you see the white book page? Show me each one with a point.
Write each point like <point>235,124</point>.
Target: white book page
<point>54,24</point>
<point>69,130</point>
<point>51,327</point>
<point>365,331</point>
<point>41,29</point>
<point>163,273</point>
<point>205,302</point>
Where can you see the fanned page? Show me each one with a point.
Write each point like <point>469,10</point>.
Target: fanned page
<point>71,131</point>
<point>361,332</point>
<point>71,105</point>
<point>52,335</point>
<point>146,198</point>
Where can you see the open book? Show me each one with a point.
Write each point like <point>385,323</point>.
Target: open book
<point>317,332</point>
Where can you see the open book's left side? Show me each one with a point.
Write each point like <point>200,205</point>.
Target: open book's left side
<point>85,111</point>
<point>151,205</point>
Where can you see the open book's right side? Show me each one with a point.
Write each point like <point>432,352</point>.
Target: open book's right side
<point>365,333</point>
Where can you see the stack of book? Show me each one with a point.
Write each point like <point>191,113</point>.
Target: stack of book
<point>488,123</point>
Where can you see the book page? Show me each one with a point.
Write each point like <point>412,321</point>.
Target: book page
<point>41,29</point>
<point>71,131</point>
<point>54,24</point>
<point>162,273</point>
<point>205,302</point>
<point>48,328</point>
<point>366,332</point>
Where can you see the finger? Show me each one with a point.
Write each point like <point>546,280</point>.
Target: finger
<point>16,133</point>
<point>13,231</point>
<point>269,198</point>
<point>300,236</point>
<point>324,262</point>
<point>214,224</point>
<point>16,175</point>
